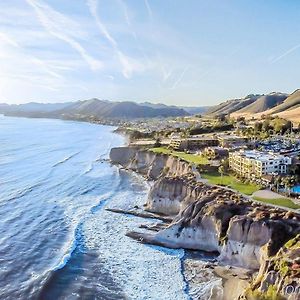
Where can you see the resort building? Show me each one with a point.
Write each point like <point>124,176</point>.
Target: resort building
<point>192,143</point>
<point>255,164</point>
<point>231,140</point>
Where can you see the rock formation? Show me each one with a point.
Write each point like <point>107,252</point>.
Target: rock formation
<point>211,218</point>
<point>148,163</point>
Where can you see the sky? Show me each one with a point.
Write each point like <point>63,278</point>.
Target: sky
<point>179,52</point>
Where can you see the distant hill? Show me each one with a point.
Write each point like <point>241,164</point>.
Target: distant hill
<point>290,114</point>
<point>32,107</point>
<point>291,102</point>
<point>192,110</point>
<point>233,105</point>
<point>262,104</point>
<point>155,105</point>
<point>101,109</point>
<point>4,107</point>
<point>254,106</point>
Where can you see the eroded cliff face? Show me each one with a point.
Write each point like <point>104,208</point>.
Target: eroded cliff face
<point>225,222</point>
<point>279,274</point>
<point>175,178</point>
<point>171,194</point>
<point>244,233</point>
<point>149,163</point>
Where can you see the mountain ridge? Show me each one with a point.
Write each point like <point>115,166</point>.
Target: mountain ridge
<point>92,108</point>
<point>254,106</point>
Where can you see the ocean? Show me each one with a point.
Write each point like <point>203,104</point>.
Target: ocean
<point>57,240</point>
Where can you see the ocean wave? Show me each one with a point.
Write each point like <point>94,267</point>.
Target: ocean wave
<point>65,159</point>
<point>25,191</point>
<point>104,156</point>
<point>100,158</point>
<point>88,170</point>
<point>68,254</point>
<point>77,236</point>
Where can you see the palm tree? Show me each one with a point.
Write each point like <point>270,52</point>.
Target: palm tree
<point>288,183</point>
<point>293,169</point>
<point>277,182</point>
<point>221,172</point>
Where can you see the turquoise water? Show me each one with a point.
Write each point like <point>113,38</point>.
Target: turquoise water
<point>57,240</point>
<point>296,189</point>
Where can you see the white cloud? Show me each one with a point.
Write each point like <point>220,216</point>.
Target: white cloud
<point>289,51</point>
<point>63,28</point>
<point>180,78</point>
<point>129,64</point>
<point>13,50</point>
<point>150,13</point>
<point>38,61</point>
<point>6,39</point>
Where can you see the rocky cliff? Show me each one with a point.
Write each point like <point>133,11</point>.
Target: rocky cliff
<point>211,218</point>
<point>148,163</point>
<point>279,275</point>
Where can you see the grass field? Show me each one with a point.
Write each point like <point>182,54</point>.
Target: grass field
<point>232,182</point>
<point>213,178</point>
<point>191,158</point>
<point>279,201</point>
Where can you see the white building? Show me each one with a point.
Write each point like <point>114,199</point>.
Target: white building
<point>252,163</point>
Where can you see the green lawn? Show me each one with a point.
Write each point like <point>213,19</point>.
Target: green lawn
<point>232,182</point>
<point>161,150</point>
<point>280,201</point>
<point>213,178</point>
<point>191,158</point>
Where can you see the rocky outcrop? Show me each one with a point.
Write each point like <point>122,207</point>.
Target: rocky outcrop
<point>236,228</point>
<point>210,218</point>
<point>171,194</point>
<point>148,163</point>
<point>279,274</point>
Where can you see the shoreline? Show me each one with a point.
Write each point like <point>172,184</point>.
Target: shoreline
<point>242,256</point>
<point>198,268</point>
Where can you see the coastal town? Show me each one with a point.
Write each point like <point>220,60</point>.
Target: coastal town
<point>264,165</point>
<point>223,194</point>
<point>149,150</point>
<point>223,186</point>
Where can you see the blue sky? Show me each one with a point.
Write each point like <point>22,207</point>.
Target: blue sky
<point>182,52</point>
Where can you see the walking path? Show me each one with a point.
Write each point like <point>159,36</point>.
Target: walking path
<point>267,194</point>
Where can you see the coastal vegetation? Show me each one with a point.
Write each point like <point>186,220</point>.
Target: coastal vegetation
<point>268,126</point>
<point>213,177</point>
<point>190,158</point>
<point>285,202</point>
<point>218,127</point>
<point>232,182</point>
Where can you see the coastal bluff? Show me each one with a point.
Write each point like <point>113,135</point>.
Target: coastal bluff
<point>148,163</point>
<point>244,233</point>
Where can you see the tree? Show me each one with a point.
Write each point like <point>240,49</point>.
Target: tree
<point>293,169</point>
<point>241,120</point>
<point>266,125</point>
<point>225,164</point>
<point>288,183</point>
<point>257,127</point>
<point>157,143</point>
<point>221,172</point>
<point>277,182</point>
